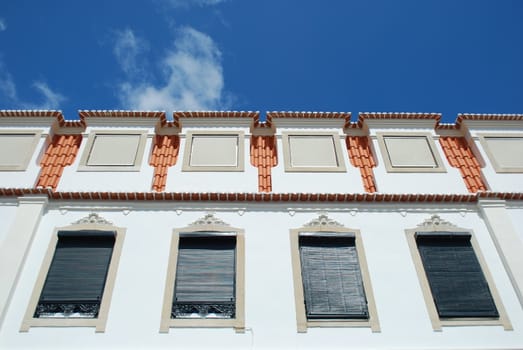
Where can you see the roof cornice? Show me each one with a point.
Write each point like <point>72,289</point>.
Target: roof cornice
<point>263,197</point>
<point>471,120</point>
<point>121,117</point>
<point>399,119</point>
<point>215,118</point>
<point>308,119</point>
<point>30,117</point>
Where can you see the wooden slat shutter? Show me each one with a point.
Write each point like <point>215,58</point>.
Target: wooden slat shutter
<point>456,280</point>
<point>205,276</point>
<point>79,268</point>
<point>332,280</point>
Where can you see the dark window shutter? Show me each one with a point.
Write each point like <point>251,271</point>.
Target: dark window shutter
<point>205,276</point>
<point>331,275</point>
<point>77,274</point>
<point>456,280</point>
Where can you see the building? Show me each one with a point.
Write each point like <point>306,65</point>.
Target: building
<point>135,229</point>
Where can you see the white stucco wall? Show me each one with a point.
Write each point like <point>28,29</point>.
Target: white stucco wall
<point>110,181</point>
<point>134,316</point>
<point>8,209</point>
<point>26,178</point>
<point>449,181</point>
<point>497,182</point>
<point>348,181</point>
<point>213,181</point>
<point>515,210</point>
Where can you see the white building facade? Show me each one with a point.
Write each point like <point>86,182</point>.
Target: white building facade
<point>134,229</point>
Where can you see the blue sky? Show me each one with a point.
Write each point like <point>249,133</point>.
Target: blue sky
<point>447,56</point>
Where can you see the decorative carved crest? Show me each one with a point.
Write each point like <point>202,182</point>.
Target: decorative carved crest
<point>209,219</point>
<point>437,223</point>
<point>93,218</point>
<point>323,220</point>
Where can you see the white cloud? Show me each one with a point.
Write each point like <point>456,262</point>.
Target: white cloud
<point>127,49</point>
<point>52,100</point>
<point>7,85</point>
<point>192,78</point>
<point>3,26</point>
<point>190,3</point>
<point>10,99</point>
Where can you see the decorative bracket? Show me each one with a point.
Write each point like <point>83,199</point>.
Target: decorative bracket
<point>323,220</point>
<point>209,219</point>
<point>438,224</point>
<point>93,218</point>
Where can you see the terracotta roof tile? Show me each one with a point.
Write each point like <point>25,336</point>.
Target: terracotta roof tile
<point>214,114</point>
<point>265,124</point>
<point>30,113</point>
<point>61,152</point>
<point>487,117</point>
<point>460,156</point>
<point>265,197</point>
<point>264,157</point>
<point>398,115</point>
<point>308,115</point>
<point>361,157</point>
<point>120,114</point>
<point>164,155</point>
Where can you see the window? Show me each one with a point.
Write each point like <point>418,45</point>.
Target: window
<point>75,284</point>
<point>21,145</point>
<point>205,280</point>
<point>409,153</point>
<point>505,152</point>
<point>214,151</point>
<point>331,281</point>
<point>456,284</point>
<point>318,152</point>
<point>113,151</point>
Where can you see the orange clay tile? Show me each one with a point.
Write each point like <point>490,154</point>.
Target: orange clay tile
<point>460,156</point>
<point>265,197</point>
<point>263,156</point>
<point>475,117</point>
<point>361,157</point>
<point>164,155</point>
<point>60,153</point>
<point>120,114</point>
<point>214,114</point>
<point>30,113</point>
<point>308,115</point>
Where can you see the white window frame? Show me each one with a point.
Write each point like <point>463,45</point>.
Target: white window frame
<point>386,156</point>
<point>22,166</point>
<point>435,224</point>
<point>240,151</point>
<point>287,153</point>
<point>84,166</point>
<point>93,222</point>
<point>319,226</point>
<point>208,226</point>
<point>495,164</point>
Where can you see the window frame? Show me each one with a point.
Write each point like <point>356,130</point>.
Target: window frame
<point>491,156</point>
<point>22,166</point>
<point>435,224</point>
<point>83,166</point>
<point>317,227</point>
<point>205,227</point>
<point>100,322</point>
<point>386,156</point>
<point>287,155</point>
<point>240,152</point>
